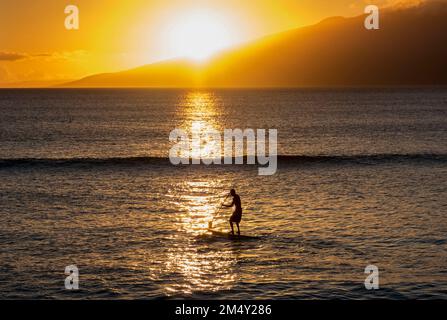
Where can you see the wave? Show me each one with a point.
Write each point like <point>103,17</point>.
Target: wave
<point>282,160</point>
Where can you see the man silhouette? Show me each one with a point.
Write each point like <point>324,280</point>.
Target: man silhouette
<point>237,213</point>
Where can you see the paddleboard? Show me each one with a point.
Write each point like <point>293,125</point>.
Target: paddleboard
<point>231,236</point>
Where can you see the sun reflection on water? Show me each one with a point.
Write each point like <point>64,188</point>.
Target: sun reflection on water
<point>197,262</point>
<point>198,203</point>
<point>201,106</point>
<point>200,115</point>
<point>200,269</point>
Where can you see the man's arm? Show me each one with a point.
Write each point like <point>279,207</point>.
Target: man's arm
<point>229,205</point>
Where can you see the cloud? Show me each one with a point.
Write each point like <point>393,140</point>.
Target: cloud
<point>388,3</point>
<point>66,55</point>
<point>42,55</point>
<point>12,56</point>
<point>401,4</point>
<point>70,55</point>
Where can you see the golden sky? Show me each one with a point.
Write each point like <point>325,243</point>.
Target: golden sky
<point>120,34</point>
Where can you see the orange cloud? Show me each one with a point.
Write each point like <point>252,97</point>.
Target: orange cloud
<point>388,3</point>
<point>66,55</point>
<point>11,56</point>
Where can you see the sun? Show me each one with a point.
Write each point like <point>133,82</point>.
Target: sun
<point>197,35</point>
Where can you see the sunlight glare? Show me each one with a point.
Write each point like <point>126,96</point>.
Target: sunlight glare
<point>199,34</point>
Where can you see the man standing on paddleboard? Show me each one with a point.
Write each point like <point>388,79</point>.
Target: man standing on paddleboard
<point>237,214</point>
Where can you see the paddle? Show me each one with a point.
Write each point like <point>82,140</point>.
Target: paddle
<point>210,224</point>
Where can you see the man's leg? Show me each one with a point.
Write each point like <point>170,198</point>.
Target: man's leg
<point>238,230</point>
<point>231,225</point>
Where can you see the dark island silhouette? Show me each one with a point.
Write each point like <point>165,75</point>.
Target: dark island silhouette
<point>410,48</point>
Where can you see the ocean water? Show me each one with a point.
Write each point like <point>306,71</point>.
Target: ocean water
<point>361,180</point>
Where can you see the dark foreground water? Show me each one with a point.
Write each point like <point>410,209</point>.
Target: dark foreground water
<point>85,180</point>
